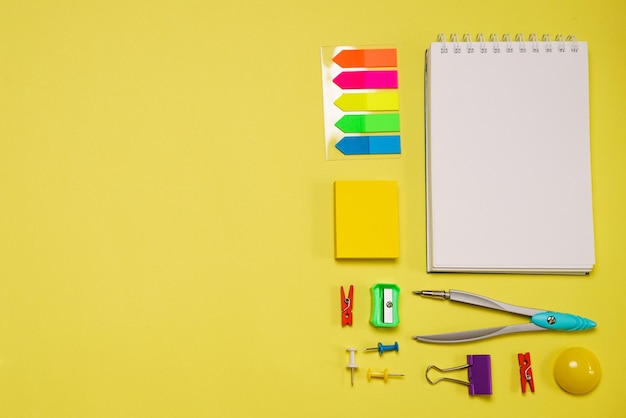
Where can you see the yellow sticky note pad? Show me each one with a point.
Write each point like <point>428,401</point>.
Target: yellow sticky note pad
<point>366,219</point>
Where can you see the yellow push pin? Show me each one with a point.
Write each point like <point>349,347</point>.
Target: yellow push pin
<point>378,374</point>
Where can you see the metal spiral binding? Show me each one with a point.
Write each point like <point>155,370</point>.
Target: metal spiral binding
<point>455,43</point>
<point>510,43</point>
<point>467,38</point>
<point>561,43</point>
<point>572,39</point>
<point>519,38</point>
<point>534,43</point>
<point>442,38</point>
<point>481,40</point>
<point>493,38</point>
<point>546,38</point>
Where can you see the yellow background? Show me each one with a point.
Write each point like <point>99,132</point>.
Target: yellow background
<point>166,215</point>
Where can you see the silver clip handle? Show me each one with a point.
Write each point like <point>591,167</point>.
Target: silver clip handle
<point>432,366</point>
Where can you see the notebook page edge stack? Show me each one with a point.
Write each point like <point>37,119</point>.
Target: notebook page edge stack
<point>508,157</point>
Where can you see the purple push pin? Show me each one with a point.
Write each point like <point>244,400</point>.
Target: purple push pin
<point>478,374</point>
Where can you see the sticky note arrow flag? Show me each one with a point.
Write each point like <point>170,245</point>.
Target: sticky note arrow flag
<point>361,101</point>
<point>361,145</point>
<point>351,102</point>
<point>367,80</point>
<point>385,122</point>
<point>353,58</point>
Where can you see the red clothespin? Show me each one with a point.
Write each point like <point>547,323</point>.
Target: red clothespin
<point>346,306</point>
<point>525,372</point>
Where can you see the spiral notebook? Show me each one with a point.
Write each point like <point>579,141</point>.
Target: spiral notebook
<point>508,156</point>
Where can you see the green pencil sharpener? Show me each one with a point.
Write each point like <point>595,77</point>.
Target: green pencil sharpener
<point>385,305</point>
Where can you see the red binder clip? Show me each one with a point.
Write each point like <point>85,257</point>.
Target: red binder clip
<point>346,307</point>
<point>525,372</point>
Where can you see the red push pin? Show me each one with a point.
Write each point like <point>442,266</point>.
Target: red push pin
<point>346,306</point>
<point>525,372</point>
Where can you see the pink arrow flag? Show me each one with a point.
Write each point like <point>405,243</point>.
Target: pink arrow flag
<point>367,80</point>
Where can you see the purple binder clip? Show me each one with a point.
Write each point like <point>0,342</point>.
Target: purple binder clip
<point>478,374</point>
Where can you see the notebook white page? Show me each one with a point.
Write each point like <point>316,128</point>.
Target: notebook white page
<point>508,158</point>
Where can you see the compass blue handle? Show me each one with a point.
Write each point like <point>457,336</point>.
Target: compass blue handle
<point>562,321</point>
